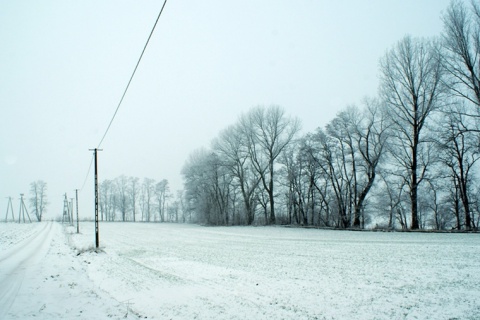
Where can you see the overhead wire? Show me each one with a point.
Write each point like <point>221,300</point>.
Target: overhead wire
<point>88,172</point>
<point>133,74</point>
<point>124,92</point>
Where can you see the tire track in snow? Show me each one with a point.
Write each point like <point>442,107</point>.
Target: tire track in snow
<point>7,254</point>
<point>15,262</point>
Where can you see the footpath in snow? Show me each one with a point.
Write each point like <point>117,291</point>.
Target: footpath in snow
<point>41,277</point>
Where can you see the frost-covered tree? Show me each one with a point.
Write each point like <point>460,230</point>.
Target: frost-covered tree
<point>232,147</point>
<point>133,191</point>
<point>122,202</point>
<point>146,198</point>
<point>461,43</point>
<point>162,191</point>
<point>411,86</point>
<point>268,132</point>
<point>207,185</point>
<point>38,198</point>
<point>459,151</point>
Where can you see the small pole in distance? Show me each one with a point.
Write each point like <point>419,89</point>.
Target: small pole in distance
<point>76,202</point>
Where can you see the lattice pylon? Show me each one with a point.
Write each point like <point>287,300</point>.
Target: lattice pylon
<point>23,210</point>
<point>66,210</point>
<point>9,208</point>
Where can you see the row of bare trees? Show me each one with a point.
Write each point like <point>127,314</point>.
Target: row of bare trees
<point>403,160</point>
<point>227,184</point>
<point>129,199</point>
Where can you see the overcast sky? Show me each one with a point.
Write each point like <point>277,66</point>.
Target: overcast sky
<point>65,64</point>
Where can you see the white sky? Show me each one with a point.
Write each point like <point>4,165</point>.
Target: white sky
<point>64,66</point>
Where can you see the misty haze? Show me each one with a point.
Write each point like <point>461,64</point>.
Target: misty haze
<point>240,160</point>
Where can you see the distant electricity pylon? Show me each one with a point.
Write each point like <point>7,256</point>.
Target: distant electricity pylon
<point>23,210</point>
<point>66,213</point>
<point>9,206</point>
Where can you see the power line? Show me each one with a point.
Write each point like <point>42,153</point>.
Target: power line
<point>129,81</point>
<point>88,172</point>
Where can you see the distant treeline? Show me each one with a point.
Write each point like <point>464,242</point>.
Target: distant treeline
<point>128,199</point>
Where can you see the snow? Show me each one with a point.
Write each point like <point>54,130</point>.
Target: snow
<point>41,277</point>
<point>176,271</point>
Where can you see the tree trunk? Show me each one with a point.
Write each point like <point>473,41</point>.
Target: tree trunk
<point>271,196</point>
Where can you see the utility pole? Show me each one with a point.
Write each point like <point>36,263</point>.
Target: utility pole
<point>76,202</point>
<point>97,240</point>
<point>71,211</point>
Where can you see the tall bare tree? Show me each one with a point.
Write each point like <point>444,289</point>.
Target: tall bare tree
<point>38,198</point>
<point>162,190</point>
<point>268,131</point>
<point>207,187</point>
<point>371,136</point>
<point>134,190</point>
<point>342,131</point>
<point>232,147</point>
<point>459,152</point>
<point>461,42</point>
<point>122,201</point>
<point>108,200</point>
<point>146,197</point>
<point>411,76</point>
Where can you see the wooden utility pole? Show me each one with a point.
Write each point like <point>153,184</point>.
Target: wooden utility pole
<point>97,240</point>
<point>76,202</point>
<point>71,211</point>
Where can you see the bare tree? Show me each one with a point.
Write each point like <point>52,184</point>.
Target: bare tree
<point>207,187</point>
<point>390,198</point>
<point>295,194</point>
<point>332,164</point>
<point>459,152</point>
<point>268,131</point>
<point>371,137</point>
<point>411,87</point>
<point>162,192</point>
<point>38,198</point>
<point>343,149</point>
<point>134,191</point>
<point>181,203</point>
<point>350,149</point>
<point>147,193</point>
<point>108,199</point>
<point>461,42</point>
<point>122,201</point>
<point>232,148</point>
<point>314,156</point>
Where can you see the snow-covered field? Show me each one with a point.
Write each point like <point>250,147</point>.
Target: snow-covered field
<point>170,271</point>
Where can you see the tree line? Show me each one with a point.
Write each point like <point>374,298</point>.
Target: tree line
<point>129,199</point>
<point>404,159</point>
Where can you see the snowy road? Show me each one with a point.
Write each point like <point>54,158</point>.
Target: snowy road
<point>41,277</point>
<point>15,261</point>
